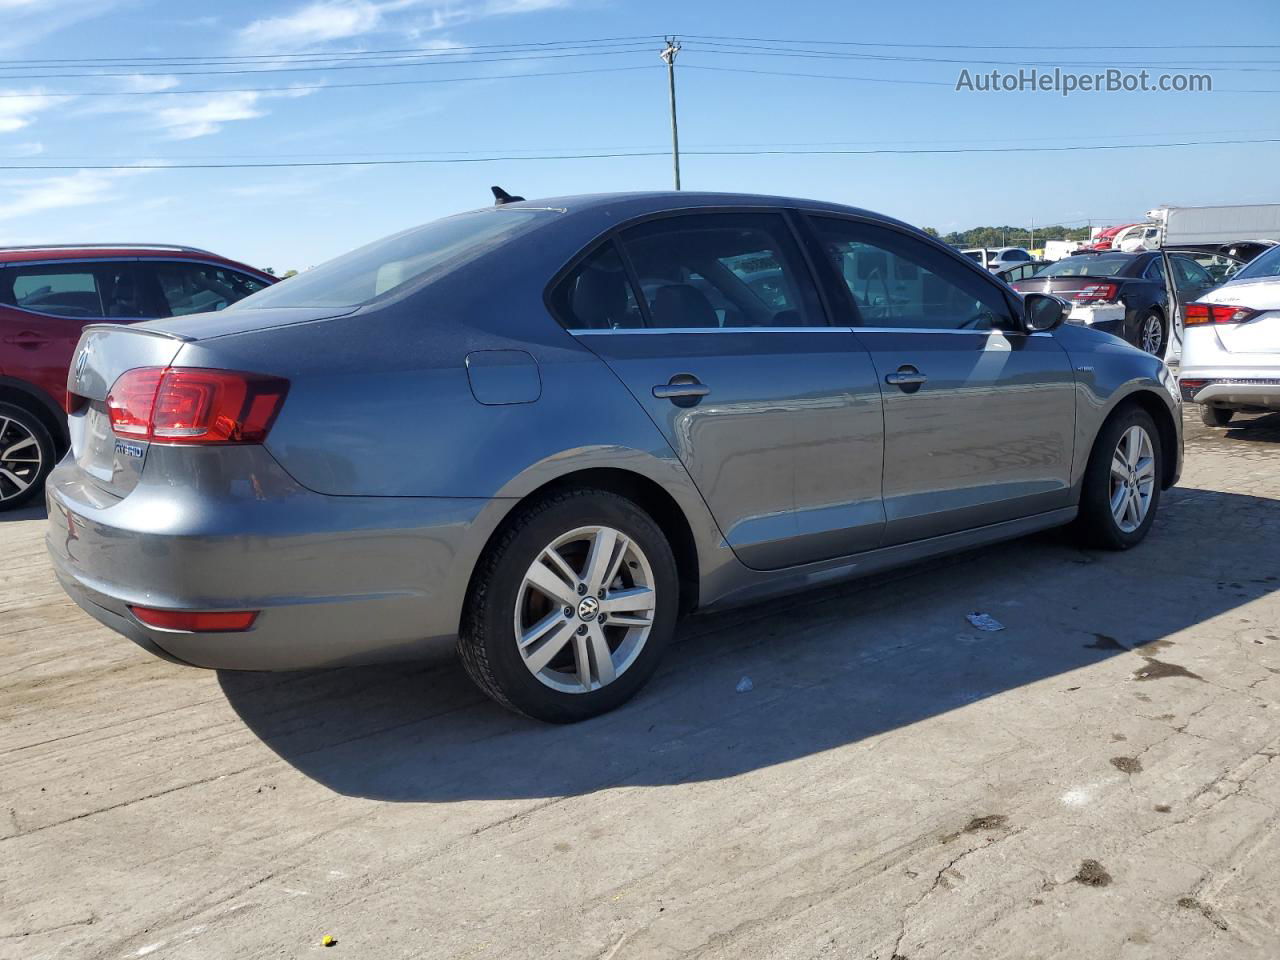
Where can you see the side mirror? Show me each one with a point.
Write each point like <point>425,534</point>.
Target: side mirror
<point>1042,313</point>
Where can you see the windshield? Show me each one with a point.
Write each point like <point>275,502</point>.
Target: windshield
<point>1261,267</point>
<point>1086,266</point>
<point>974,255</point>
<point>387,266</point>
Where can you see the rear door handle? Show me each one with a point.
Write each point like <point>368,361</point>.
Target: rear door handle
<point>906,376</point>
<point>681,387</point>
<point>28,339</point>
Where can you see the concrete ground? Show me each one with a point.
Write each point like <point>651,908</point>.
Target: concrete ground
<point>1096,780</point>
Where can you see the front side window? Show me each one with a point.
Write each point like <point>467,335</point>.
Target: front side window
<point>1190,274</point>
<point>722,270</point>
<point>200,287</point>
<point>896,280</point>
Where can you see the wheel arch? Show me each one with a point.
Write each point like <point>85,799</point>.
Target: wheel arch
<point>642,490</point>
<point>40,404</point>
<point>1167,427</point>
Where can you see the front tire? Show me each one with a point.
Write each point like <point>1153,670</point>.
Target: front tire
<point>27,455</point>
<point>570,609</point>
<point>1122,482</point>
<point>1215,416</point>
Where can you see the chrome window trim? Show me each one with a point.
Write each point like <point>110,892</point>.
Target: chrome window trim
<point>704,330</point>
<point>646,331</point>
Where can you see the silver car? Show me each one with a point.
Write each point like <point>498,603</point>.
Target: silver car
<point>544,431</point>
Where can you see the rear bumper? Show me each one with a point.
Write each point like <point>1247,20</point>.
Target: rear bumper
<point>1108,318</point>
<point>338,580</point>
<point>1236,389</point>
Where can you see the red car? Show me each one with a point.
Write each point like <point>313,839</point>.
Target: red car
<point>49,294</point>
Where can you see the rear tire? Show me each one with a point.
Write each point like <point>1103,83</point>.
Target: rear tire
<point>1215,416</point>
<point>1122,482</point>
<point>1151,335</point>
<point>549,633</point>
<point>27,454</point>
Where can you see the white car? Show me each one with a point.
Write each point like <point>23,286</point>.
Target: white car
<point>997,258</point>
<point>1231,344</point>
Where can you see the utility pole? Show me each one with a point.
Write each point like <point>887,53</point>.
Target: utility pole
<point>669,57</point>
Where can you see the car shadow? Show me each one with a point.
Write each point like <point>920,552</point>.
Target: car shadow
<point>34,511</point>
<point>1258,429</point>
<point>826,668</point>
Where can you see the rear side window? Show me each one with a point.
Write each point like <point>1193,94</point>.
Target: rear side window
<point>897,280</point>
<point>199,287</point>
<point>70,290</point>
<point>722,270</point>
<point>597,295</point>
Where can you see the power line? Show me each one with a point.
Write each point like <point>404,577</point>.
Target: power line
<point>117,61</point>
<point>639,153</point>
<point>311,69</point>
<point>997,46</point>
<point>949,84</point>
<point>739,50</point>
<point>315,86</point>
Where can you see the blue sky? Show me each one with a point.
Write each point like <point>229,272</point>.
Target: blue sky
<point>298,217</point>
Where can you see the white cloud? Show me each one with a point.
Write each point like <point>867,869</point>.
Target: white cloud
<point>18,108</point>
<point>26,22</point>
<point>207,114</point>
<point>314,23</point>
<point>55,193</point>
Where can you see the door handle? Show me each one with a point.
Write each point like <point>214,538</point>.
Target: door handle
<point>27,339</point>
<point>682,386</point>
<point>906,376</point>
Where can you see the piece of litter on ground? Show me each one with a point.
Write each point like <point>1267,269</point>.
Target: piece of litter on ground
<point>745,685</point>
<point>984,621</point>
<point>328,941</point>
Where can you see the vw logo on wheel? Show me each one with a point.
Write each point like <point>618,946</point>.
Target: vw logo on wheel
<point>588,608</point>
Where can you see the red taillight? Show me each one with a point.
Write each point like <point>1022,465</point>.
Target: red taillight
<point>196,622</point>
<point>194,405</point>
<point>1095,293</point>
<point>1202,313</point>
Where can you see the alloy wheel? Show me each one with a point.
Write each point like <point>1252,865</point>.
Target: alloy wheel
<point>585,609</point>
<point>1152,336</point>
<point>1133,477</point>
<point>20,459</point>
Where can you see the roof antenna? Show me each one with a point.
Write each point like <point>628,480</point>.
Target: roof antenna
<point>501,196</point>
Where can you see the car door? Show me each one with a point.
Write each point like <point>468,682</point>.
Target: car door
<point>51,303</point>
<point>716,327</point>
<point>979,416</point>
<point>1187,280</point>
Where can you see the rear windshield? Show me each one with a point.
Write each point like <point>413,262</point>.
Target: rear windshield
<point>1263,266</point>
<point>1086,266</point>
<point>386,267</point>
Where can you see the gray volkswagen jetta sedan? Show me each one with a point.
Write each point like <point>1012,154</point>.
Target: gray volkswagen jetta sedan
<point>545,430</point>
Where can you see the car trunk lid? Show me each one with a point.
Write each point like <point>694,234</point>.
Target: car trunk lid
<point>110,463</point>
<point>1258,335</point>
<point>1066,287</point>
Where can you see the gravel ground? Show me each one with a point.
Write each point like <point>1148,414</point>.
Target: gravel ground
<point>1095,780</point>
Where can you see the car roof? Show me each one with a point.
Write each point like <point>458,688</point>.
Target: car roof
<point>637,204</point>
<point>95,251</point>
